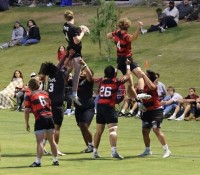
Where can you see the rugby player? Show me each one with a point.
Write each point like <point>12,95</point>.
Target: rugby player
<point>123,41</point>
<point>73,37</point>
<point>153,117</point>
<point>106,113</point>
<point>39,103</point>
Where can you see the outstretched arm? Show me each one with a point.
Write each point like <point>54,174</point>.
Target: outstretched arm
<point>87,70</point>
<point>135,35</point>
<point>148,82</point>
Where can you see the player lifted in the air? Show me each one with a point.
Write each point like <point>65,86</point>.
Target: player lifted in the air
<point>123,41</point>
<point>73,37</point>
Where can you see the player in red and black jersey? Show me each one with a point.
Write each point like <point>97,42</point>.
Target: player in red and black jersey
<point>106,113</point>
<point>39,103</point>
<point>153,116</point>
<point>123,40</point>
<point>73,37</point>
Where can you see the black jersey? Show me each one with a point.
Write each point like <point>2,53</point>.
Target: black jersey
<point>71,31</point>
<point>56,88</point>
<point>85,94</point>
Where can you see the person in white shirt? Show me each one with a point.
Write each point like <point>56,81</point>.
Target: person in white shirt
<point>170,101</point>
<point>171,17</point>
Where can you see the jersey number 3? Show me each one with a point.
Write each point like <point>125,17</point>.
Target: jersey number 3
<point>51,87</point>
<point>105,91</point>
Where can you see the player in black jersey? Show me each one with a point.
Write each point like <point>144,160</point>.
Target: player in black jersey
<point>85,113</point>
<point>56,88</point>
<point>73,37</point>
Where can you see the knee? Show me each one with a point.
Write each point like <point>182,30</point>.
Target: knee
<point>113,130</point>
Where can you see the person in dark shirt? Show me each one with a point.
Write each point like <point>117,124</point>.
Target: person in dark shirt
<point>33,36</point>
<point>85,113</point>
<point>40,104</point>
<point>106,113</point>
<point>73,37</point>
<point>56,88</point>
<point>185,9</point>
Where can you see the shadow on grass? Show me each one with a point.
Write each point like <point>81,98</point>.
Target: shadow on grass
<point>86,159</point>
<point>20,167</point>
<point>18,155</point>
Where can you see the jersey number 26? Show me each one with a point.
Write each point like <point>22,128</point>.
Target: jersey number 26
<point>105,91</point>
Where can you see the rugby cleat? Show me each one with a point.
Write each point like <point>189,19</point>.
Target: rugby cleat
<point>34,164</point>
<point>115,154</point>
<point>167,154</point>
<point>61,154</point>
<point>141,107</point>
<point>145,153</point>
<point>56,163</point>
<point>172,117</point>
<point>95,155</point>
<point>89,149</point>
<point>143,96</point>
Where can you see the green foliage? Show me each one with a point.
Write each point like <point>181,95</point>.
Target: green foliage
<point>104,22</point>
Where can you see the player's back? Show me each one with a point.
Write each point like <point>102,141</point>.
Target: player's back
<point>40,103</point>
<point>71,31</point>
<point>108,91</point>
<point>56,88</point>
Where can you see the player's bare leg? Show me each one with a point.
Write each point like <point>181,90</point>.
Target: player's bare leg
<point>57,138</point>
<point>162,140</point>
<point>87,136</point>
<point>97,138</point>
<point>50,137</point>
<point>40,148</point>
<point>113,140</point>
<point>77,70</point>
<point>146,138</point>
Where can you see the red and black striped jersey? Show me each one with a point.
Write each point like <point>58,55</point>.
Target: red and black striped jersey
<point>108,91</point>
<point>123,43</point>
<point>152,103</point>
<point>39,102</point>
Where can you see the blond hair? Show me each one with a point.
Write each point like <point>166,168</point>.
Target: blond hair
<point>69,15</point>
<point>124,23</point>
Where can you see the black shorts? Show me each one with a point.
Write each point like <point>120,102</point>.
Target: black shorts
<point>121,61</point>
<point>152,119</point>
<point>44,123</point>
<point>84,115</point>
<point>106,114</point>
<point>58,114</point>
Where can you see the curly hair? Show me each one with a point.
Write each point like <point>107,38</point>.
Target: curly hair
<point>69,15</point>
<point>151,75</point>
<point>124,23</point>
<point>49,69</point>
<point>109,72</point>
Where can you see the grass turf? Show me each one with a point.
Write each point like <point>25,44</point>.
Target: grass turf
<point>174,54</point>
<point>18,149</point>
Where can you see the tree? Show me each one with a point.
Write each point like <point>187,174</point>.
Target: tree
<point>104,22</point>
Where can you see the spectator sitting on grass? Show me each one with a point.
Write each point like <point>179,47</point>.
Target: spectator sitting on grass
<point>18,33</point>
<point>8,93</point>
<point>169,18</point>
<point>33,34</point>
<point>195,15</point>
<point>185,9</point>
<point>170,101</point>
<point>186,105</point>
<point>161,89</point>
<point>34,3</point>
<point>61,52</point>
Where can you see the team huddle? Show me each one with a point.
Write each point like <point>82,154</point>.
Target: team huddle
<point>47,106</point>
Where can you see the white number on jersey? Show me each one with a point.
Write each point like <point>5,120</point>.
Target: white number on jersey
<point>51,87</point>
<point>105,91</point>
<point>118,45</point>
<point>42,101</point>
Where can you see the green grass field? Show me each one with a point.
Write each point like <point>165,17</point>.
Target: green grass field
<point>178,65</point>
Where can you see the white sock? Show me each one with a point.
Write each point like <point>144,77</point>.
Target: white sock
<point>148,148</point>
<point>182,116</point>
<point>95,150</point>
<point>113,149</point>
<point>74,94</point>
<point>123,111</point>
<point>131,111</point>
<point>55,159</point>
<point>165,147</point>
<point>90,144</point>
<point>38,160</point>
